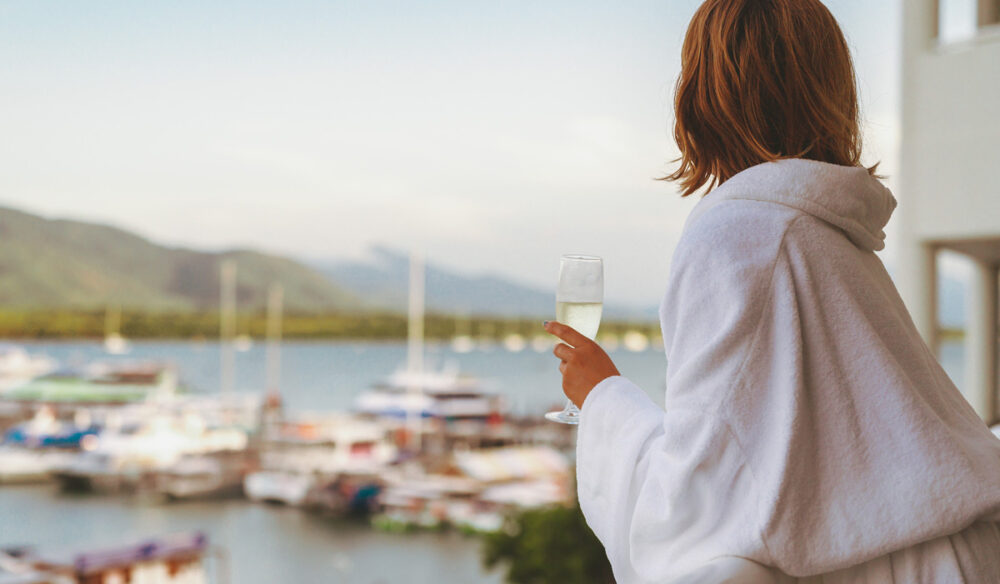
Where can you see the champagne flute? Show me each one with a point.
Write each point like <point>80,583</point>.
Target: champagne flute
<point>579,302</point>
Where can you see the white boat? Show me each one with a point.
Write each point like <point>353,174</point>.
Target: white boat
<point>31,450</point>
<point>243,343</point>
<point>515,343</point>
<point>423,500</point>
<point>28,465</point>
<point>130,456</point>
<point>98,384</point>
<point>417,392</point>
<point>287,488</point>
<point>304,453</point>
<point>204,475</point>
<point>635,341</point>
<point>442,394</point>
<point>518,476</point>
<point>114,342</point>
<point>463,344</point>
<point>18,366</point>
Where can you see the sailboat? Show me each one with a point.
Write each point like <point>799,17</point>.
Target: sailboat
<point>417,398</point>
<point>462,342</point>
<point>513,340</point>
<point>18,366</point>
<point>243,343</point>
<point>302,457</point>
<point>114,342</point>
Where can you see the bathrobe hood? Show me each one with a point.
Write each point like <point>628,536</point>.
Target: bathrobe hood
<point>806,425</point>
<point>847,197</point>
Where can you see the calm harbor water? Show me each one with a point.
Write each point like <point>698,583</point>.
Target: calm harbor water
<point>328,375</point>
<point>272,544</point>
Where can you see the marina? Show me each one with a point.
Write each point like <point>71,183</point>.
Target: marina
<point>127,428</point>
<point>323,459</point>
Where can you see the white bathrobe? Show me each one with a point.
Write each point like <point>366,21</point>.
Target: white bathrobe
<point>807,426</point>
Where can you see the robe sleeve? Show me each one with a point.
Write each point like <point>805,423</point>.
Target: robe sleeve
<point>668,490</point>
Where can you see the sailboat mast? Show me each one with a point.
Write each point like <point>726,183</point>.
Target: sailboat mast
<point>112,320</point>
<point>227,325</point>
<point>275,297</point>
<point>415,346</point>
<point>415,321</point>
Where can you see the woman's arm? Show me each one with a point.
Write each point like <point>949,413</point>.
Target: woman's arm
<point>665,492</point>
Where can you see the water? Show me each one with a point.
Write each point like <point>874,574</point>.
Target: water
<point>328,375</point>
<point>274,544</point>
<point>265,544</point>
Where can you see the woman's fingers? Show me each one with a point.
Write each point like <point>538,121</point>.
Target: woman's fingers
<point>566,333</point>
<point>563,351</point>
<point>582,362</point>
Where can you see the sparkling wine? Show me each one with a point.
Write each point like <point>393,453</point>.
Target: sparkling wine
<point>585,317</point>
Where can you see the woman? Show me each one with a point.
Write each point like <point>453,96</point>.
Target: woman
<point>807,427</point>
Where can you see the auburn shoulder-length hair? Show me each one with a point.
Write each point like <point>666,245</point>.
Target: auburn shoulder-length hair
<point>763,80</point>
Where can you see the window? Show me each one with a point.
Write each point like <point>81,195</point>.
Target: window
<point>960,20</point>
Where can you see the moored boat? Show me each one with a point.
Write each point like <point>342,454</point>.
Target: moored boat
<point>31,450</point>
<point>18,366</point>
<point>303,456</point>
<point>170,559</point>
<point>215,475</point>
<point>128,455</point>
<point>96,385</point>
<point>434,393</point>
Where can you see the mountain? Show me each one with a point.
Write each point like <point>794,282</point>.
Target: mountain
<point>383,282</point>
<point>55,263</point>
<point>73,264</point>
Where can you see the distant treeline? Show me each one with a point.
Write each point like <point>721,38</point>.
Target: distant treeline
<point>68,324</point>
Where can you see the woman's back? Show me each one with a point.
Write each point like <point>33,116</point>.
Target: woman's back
<point>807,425</point>
<point>967,557</point>
<point>849,422</point>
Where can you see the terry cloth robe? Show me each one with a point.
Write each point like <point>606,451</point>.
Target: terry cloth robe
<point>807,426</point>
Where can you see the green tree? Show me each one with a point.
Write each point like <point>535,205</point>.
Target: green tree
<point>552,545</point>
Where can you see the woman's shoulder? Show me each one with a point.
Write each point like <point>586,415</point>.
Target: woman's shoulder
<point>734,232</point>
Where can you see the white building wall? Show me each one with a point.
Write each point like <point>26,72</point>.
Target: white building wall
<point>950,172</point>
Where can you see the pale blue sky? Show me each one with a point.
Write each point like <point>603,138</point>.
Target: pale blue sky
<point>493,135</point>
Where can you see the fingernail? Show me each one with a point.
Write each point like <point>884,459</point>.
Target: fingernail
<point>545,323</point>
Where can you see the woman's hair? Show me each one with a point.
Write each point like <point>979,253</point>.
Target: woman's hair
<point>763,80</point>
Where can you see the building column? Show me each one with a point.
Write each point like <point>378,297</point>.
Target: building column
<point>981,340</point>
<point>931,330</point>
<point>918,286</point>
<point>989,13</point>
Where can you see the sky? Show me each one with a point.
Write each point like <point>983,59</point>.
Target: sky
<point>491,136</point>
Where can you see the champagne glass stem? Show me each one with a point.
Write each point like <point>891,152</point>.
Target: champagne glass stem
<point>569,414</point>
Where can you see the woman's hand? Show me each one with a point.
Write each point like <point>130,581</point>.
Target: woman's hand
<point>583,363</point>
